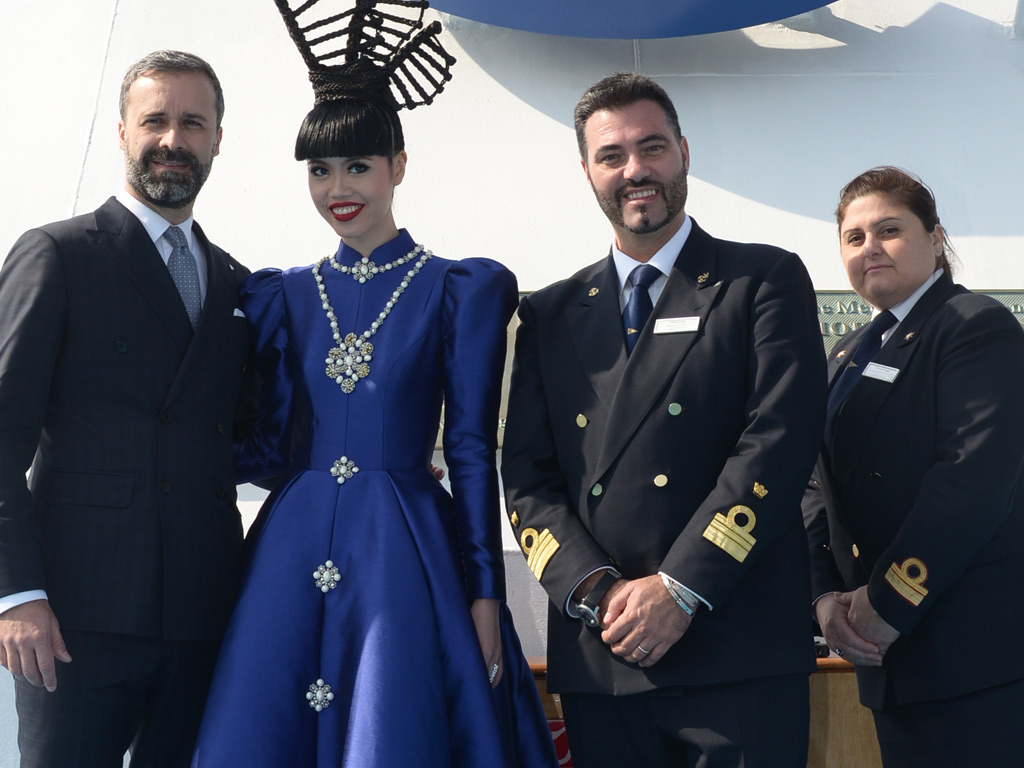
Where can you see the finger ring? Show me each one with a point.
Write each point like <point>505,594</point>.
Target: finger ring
<point>839,651</point>
<point>641,649</point>
<point>494,673</point>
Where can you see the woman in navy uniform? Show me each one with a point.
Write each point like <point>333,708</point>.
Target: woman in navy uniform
<point>916,529</point>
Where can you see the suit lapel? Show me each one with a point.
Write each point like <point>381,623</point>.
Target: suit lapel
<point>124,237</point>
<point>843,355</point>
<point>221,286</point>
<point>689,292</point>
<point>868,396</point>
<point>219,305</point>
<point>595,325</point>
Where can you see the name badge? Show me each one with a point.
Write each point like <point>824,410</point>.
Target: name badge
<point>881,372</point>
<point>676,325</point>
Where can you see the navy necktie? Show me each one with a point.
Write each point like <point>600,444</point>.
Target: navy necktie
<point>639,307</point>
<point>869,345</point>
<point>182,265</point>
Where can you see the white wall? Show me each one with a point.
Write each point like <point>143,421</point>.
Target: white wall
<point>778,117</point>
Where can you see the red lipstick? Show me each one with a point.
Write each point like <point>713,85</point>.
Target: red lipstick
<point>345,211</point>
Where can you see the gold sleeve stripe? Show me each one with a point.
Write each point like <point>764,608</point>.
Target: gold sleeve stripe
<point>538,548</point>
<point>908,580</point>
<point>733,538</point>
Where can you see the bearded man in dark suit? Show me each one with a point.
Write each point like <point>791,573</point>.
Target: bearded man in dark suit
<point>122,355</point>
<point>666,408</point>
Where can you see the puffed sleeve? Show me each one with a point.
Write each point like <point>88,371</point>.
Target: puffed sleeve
<point>263,454</point>
<point>480,297</point>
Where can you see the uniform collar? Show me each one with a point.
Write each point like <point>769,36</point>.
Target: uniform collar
<point>664,259</point>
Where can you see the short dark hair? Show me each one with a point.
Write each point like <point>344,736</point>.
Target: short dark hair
<point>350,128</point>
<point>174,62</point>
<point>616,91</point>
<point>906,189</point>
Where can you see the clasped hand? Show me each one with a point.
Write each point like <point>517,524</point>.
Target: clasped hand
<point>640,615</point>
<point>853,628</point>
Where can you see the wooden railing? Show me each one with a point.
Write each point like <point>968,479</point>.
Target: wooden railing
<point>842,731</point>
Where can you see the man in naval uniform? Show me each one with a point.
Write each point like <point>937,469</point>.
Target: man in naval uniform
<point>666,409</point>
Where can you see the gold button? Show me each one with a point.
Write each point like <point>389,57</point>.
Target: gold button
<point>661,481</point>
<point>581,421</point>
<point>675,409</point>
<point>597,490</point>
<point>856,551</point>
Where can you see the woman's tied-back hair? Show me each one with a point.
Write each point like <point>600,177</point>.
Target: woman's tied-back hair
<point>906,189</point>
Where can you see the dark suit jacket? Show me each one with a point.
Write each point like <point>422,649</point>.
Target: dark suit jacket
<point>125,417</point>
<point>636,464</point>
<point>923,473</point>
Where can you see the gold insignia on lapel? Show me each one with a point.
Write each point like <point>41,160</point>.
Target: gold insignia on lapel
<point>908,580</point>
<point>538,548</point>
<point>727,534</point>
<point>594,292</point>
<point>909,336</point>
<point>514,519</point>
<point>703,278</point>
<point>760,491</point>
<point>840,353</point>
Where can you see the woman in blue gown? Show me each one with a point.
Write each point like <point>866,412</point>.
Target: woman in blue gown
<point>371,629</point>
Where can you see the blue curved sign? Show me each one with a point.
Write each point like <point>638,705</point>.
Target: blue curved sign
<point>621,19</point>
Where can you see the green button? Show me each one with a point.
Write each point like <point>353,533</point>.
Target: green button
<point>597,490</point>
<point>675,409</point>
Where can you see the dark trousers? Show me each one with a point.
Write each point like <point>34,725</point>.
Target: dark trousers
<point>978,729</point>
<point>762,723</point>
<point>118,693</point>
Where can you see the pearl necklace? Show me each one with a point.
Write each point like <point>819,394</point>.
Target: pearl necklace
<point>349,362</point>
<point>365,269</point>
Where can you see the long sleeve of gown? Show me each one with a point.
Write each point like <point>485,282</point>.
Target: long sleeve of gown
<point>480,297</point>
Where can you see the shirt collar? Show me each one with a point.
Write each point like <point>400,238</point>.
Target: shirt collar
<point>664,259</point>
<point>902,309</point>
<point>154,224</point>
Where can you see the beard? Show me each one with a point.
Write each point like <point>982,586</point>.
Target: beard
<point>673,192</point>
<point>169,189</point>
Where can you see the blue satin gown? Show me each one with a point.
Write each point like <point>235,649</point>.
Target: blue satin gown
<point>389,632</point>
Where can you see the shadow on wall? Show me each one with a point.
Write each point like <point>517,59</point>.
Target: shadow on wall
<point>843,96</point>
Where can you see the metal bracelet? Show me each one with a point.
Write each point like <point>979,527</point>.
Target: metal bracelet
<point>680,601</point>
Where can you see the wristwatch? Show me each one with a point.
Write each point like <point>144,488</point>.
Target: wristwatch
<point>587,608</point>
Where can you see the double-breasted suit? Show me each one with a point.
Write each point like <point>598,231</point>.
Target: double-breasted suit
<point>915,496</point>
<point>125,416</point>
<point>688,457</point>
<point>128,519</point>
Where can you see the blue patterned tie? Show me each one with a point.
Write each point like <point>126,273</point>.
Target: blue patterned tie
<point>869,345</point>
<point>182,265</point>
<point>639,307</point>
